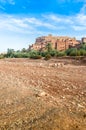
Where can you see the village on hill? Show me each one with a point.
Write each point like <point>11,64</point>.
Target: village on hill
<point>60,43</point>
<point>50,46</point>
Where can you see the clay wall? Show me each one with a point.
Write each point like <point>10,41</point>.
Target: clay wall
<point>59,43</point>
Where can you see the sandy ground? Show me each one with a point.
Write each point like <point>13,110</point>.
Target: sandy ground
<point>42,95</point>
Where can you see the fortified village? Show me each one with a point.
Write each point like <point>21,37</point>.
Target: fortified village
<point>60,43</point>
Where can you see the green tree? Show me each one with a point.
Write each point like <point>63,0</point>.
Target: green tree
<point>23,50</point>
<point>49,47</point>
<point>10,52</point>
<point>83,46</point>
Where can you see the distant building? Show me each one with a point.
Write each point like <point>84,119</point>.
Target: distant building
<point>84,40</point>
<point>60,43</point>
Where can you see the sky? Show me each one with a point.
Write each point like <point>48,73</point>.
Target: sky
<point>22,21</point>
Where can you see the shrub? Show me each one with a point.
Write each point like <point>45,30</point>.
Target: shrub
<point>83,46</point>
<point>72,53</point>
<point>78,53</point>
<point>53,53</point>
<point>25,55</point>
<point>85,53</point>
<point>47,57</point>
<point>33,53</point>
<point>21,55</point>
<point>68,51</point>
<point>82,52</point>
<point>36,57</point>
<point>43,53</point>
<point>2,56</point>
<point>61,54</point>
<point>18,55</point>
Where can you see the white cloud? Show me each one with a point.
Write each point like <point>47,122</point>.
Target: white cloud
<point>75,22</point>
<point>59,18</point>
<point>79,28</point>
<point>46,23</point>
<point>16,31</point>
<point>50,22</point>
<point>24,24</point>
<point>39,23</point>
<point>14,24</point>
<point>81,19</point>
<point>83,9</point>
<point>32,27</point>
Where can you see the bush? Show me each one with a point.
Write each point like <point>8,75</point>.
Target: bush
<point>17,55</point>
<point>61,54</point>
<point>78,53</point>
<point>68,51</point>
<point>21,55</point>
<point>25,55</point>
<point>43,53</point>
<point>54,53</point>
<point>33,53</point>
<point>85,53</point>
<point>47,57</point>
<point>36,57</point>
<point>82,52</point>
<point>2,56</point>
<point>71,52</point>
<point>83,46</point>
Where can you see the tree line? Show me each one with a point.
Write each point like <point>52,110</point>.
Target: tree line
<point>47,53</point>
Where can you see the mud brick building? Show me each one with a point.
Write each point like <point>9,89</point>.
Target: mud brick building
<point>84,40</point>
<point>60,43</point>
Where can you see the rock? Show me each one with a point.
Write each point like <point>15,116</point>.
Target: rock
<point>41,94</point>
<point>56,64</point>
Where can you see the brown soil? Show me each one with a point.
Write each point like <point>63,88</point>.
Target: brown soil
<point>40,95</point>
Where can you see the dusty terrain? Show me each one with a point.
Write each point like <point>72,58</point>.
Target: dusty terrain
<point>40,95</point>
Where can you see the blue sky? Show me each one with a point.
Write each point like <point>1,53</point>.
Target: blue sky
<point>21,21</point>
